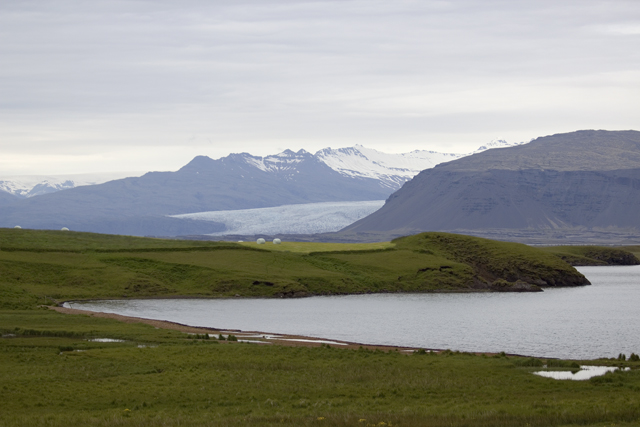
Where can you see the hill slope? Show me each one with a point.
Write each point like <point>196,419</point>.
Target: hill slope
<point>585,179</point>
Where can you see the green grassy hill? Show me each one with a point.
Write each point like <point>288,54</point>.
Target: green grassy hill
<point>35,265</point>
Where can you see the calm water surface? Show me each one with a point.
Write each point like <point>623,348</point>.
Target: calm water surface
<point>601,320</point>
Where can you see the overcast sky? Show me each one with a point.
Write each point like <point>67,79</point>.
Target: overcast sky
<point>88,86</point>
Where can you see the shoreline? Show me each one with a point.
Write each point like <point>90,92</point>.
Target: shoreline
<point>299,295</point>
<point>257,337</point>
<point>263,338</point>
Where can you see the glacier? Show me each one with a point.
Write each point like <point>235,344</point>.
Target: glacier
<point>308,218</point>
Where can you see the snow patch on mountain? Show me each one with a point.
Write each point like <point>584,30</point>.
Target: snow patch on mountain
<point>497,143</point>
<point>284,161</point>
<point>36,185</point>
<point>309,218</point>
<point>391,169</point>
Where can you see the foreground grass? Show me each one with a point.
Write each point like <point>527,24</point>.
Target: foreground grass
<point>161,378</point>
<point>51,373</point>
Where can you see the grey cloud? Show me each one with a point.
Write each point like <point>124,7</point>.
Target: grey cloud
<point>252,73</point>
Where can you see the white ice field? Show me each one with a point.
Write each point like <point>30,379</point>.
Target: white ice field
<point>307,218</point>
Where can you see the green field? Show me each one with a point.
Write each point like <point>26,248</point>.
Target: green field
<point>52,374</point>
<point>308,247</point>
<point>44,266</point>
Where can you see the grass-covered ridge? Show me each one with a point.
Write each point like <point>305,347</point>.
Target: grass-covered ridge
<point>497,261</point>
<point>595,255</point>
<point>40,266</point>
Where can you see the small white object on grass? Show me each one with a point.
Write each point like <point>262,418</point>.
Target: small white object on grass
<point>260,241</point>
<point>17,226</point>
<point>277,241</point>
<point>64,229</point>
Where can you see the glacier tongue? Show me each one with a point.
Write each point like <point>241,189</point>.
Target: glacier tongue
<point>309,218</point>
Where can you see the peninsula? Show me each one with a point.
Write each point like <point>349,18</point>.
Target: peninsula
<point>63,265</point>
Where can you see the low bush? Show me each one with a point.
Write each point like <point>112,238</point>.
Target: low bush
<point>556,363</point>
<point>529,361</point>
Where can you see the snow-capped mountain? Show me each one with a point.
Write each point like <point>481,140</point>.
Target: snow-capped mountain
<point>147,205</point>
<point>391,170</point>
<point>36,185</point>
<point>497,143</point>
<point>284,162</point>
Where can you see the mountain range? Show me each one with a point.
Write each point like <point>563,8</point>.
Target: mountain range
<point>585,180</point>
<point>561,185</point>
<point>37,185</point>
<point>392,170</point>
<point>143,205</point>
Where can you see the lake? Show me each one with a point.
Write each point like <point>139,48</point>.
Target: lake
<point>601,320</point>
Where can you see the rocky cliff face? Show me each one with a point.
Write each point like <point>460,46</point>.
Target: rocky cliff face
<point>583,179</point>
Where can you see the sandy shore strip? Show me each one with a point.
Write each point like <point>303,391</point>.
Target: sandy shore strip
<point>256,337</point>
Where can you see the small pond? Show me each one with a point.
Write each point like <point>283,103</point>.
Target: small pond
<point>584,373</point>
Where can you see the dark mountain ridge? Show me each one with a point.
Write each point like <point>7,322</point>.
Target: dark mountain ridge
<point>585,150</point>
<point>588,179</point>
